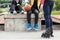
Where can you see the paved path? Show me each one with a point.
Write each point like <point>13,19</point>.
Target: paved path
<point>27,36</point>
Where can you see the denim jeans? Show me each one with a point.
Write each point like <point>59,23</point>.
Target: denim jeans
<point>35,11</point>
<point>47,13</point>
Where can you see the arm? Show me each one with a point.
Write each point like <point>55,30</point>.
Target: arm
<point>42,3</point>
<point>27,2</point>
<point>20,2</point>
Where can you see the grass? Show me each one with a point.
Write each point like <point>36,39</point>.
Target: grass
<point>1,10</point>
<point>55,12</point>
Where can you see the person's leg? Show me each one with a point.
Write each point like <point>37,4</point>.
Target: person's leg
<point>51,7</point>
<point>21,2</point>
<point>48,20</point>
<point>36,19</point>
<point>12,8</point>
<point>29,16</point>
<point>36,16</point>
<point>19,9</point>
<point>47,15</point>
<point>29,20</point>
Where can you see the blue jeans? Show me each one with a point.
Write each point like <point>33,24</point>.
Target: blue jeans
<point>47,14</point>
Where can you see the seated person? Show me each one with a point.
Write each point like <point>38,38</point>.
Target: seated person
<point>36,6</point>
<point>16,6</point>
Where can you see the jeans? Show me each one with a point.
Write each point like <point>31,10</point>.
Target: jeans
<point>35,11</point>
<point>47,14</point>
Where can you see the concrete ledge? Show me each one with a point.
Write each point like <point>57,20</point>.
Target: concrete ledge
<point>18,16</point>
<point>18,22</point>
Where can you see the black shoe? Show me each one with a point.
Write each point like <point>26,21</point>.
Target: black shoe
<point>22,12</point>
<point>11,12</point>
<point>18,12</point>
<point>45,35</point>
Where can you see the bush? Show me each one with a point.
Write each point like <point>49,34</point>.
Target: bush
<point>57,3</point>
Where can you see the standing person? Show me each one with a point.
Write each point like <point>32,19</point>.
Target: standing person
<point>35,7</point>
<point>16,6</point>
<point>48,5</point>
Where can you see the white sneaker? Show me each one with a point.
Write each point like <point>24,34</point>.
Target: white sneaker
<point>14,12</point>
<point>25,12</point>
<point>22,12</point>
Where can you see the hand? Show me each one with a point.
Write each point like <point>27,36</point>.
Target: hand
<point>26,4</point>
<point>41,7</point>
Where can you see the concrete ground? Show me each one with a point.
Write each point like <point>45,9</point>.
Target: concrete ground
<point>27,35</point>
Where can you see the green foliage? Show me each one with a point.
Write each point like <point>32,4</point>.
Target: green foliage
<point>4,10</point>
<point>5,1</point>
<point>23,4</point>
<point>57,3</point>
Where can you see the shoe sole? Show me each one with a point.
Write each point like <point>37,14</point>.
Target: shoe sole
<point>35,29</point>
<point>29,28</point>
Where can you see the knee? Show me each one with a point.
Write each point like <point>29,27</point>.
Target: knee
<point>47,17</point>
<point>12,6</point>
<point>36,12</point>
<point>29,12</point>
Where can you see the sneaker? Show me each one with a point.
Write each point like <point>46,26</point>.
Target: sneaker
<point>29,26</point>
<point>25,12</point>
<point>14,12</point>
<point>18,12</point>
<point>22,12</point>
<point>35,26</point>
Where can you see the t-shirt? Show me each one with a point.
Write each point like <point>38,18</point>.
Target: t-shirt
<point>35,4</point>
